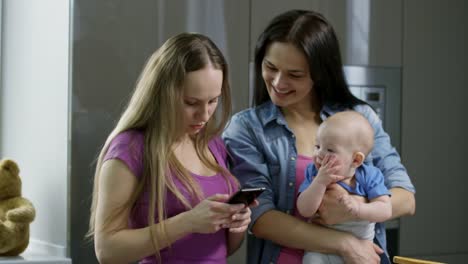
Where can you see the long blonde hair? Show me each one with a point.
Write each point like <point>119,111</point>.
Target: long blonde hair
<point>155,109</point>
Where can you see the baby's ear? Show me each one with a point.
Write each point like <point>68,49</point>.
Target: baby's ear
<point>358,159</point>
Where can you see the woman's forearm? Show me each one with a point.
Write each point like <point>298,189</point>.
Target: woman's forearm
<point>291,232</point>
<point>234,241</point>
<point>130,245</point>
<point>403,202</point>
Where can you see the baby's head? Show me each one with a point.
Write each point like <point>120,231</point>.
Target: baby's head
<point>346,135</point>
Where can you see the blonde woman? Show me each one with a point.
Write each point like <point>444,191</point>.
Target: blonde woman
<point>161,181</point>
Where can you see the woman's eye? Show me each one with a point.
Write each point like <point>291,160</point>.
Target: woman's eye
<point>214,101</point>
<point>295,76</point>
<point>317,146</point>
<point>269,67</point>
<point>330,150</point>
<point>190,103</point>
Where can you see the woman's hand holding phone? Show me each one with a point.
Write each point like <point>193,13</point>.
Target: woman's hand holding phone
<point>241,219</point>
<point>246,196</point>
<point>212,214</point>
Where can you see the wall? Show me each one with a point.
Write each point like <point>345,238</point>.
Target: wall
<point>111,41</point>
<point>370,32</point>
<point>434,125</point>
<point>34,111</point>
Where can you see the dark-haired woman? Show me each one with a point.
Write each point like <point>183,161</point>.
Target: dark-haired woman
<point>299,83</point>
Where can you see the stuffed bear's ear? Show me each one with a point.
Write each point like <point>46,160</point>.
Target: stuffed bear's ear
<point>10,165</point>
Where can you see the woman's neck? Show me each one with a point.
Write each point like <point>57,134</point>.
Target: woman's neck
<point>183,142</point>
<point>298,114</point>
<point>307,110</point>
<point>301,114</point>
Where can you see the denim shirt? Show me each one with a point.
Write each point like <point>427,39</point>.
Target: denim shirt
<point>264,153</point>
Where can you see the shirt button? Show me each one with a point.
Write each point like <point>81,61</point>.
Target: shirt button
<point>288,212</point>
<point>378,231</point>
<point>293,158</point>
<point>291,184</point>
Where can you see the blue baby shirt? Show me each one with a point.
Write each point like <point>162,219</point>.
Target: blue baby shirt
<point>369,181</point>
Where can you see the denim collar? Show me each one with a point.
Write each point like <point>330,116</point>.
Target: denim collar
<point>269,112</point>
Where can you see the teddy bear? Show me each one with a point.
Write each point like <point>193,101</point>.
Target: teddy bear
<point>16,212</point>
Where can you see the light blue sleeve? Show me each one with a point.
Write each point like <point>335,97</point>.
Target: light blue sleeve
<point>375,185</point>
<point>384,156</point>
<point>249,165</point>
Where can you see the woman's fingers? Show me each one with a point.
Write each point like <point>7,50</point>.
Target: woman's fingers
<point>377,249</point>
<point>244,214</point>
<point>239,226</point>
<point>240,221</point>
<point>217,204</point>
<point>238,229</point>
<point>218,197</point>
<point>255,203</point>
<point>217,215</point>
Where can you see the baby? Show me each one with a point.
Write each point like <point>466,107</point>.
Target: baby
<point>342,144</point>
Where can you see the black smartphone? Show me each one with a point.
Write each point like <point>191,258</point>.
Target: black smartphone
<point>246,195</point>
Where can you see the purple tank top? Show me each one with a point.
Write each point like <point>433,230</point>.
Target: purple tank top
<point>194,248</point>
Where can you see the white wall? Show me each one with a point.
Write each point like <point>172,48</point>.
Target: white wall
<point>34,110</point>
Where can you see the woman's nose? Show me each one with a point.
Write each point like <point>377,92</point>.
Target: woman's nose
<point>278,80</point>
<point>204,113</point>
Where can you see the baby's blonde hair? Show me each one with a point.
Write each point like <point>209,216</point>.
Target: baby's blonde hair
<point>356,128</point>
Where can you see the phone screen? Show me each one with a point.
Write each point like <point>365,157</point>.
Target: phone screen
<point>246,196</point>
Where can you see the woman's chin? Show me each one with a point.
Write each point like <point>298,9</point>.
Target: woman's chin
<point>281,102</point>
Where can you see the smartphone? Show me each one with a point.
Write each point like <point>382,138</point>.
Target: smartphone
<point>246,195</point>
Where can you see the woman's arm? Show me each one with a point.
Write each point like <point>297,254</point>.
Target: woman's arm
<point>234,241</point>
<point>386,158</point>
<point>334,210</point>
<point>236,230</point>
<point>119,244</point>
<point>291,232</point>
<point>403,202</point>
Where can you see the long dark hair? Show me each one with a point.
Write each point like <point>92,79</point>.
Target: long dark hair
<point>312,34</point>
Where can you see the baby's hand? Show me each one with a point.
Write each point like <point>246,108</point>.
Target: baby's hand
<point>327,172</point>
